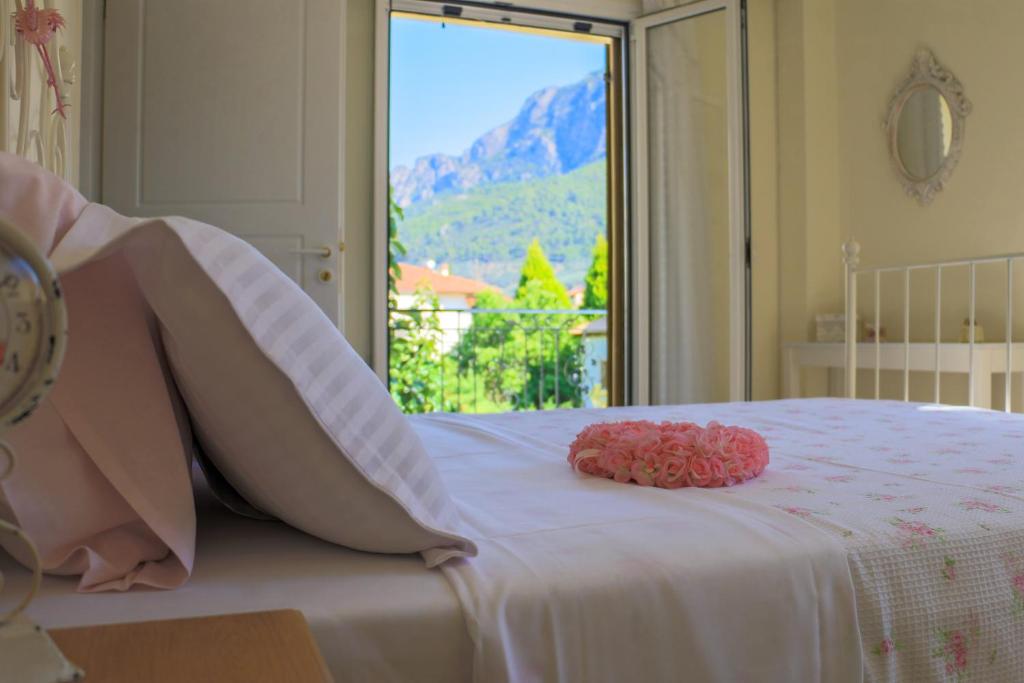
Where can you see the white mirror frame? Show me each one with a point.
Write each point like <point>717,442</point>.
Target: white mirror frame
<point>927,72</point>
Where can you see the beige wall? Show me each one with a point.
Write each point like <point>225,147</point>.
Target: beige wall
<point>839,62</point>
<point>764,198</point>
<point>980,211</point>
<point>357,281</point>
<point>810,279</point>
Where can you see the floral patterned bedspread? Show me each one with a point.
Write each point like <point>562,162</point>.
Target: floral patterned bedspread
<point>929,502</point>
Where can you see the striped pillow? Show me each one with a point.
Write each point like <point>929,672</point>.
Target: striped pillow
<point>282,405</point>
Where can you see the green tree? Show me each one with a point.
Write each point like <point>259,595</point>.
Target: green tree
<point>537,268</point>
<point>489,350</point>
<point>395,248</point>
<point>595,292</point>
<point>525,360</point>
<point>552,354</point>
<point>415,360</point>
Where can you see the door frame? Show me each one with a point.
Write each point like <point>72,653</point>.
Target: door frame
<point>520,16</point>
<point>739,203</point>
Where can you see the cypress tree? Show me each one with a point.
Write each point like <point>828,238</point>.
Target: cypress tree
<point>537,268</point>
<point>595,293</point>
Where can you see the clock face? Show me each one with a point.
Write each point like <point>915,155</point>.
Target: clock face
<point>22,326</point>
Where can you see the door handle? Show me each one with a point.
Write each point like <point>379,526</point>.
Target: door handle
<point>323,252</point>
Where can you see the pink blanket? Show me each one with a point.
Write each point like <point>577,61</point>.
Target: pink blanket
<point>102,478</point>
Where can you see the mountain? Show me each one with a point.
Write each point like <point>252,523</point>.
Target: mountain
<point>484,233</point>
<point>557,130</point>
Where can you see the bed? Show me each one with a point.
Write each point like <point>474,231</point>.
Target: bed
<point>885,542</point>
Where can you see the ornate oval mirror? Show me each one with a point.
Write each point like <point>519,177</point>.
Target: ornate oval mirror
<point>926,126</point>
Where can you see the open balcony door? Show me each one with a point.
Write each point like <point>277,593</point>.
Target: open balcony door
<point>690,235</point>
<point>230,112</point>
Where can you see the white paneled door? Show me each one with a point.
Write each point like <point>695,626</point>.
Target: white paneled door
<point>230,112</point>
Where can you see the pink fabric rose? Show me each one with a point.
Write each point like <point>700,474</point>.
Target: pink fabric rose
<point>673,472</point>
<point>644,472</point>
<point>718,473</point>
<point>700,472</point>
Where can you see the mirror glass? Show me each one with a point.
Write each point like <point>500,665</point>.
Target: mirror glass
<point>924,132</point>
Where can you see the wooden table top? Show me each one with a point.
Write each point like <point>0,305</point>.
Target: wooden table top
<point>254,647</point>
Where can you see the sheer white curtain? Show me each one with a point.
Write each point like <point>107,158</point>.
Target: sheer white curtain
<point>688,210</point>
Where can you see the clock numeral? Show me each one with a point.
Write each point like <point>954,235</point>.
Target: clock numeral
<point>13,364</point>
<point>22,324</point>
<point>9,284</point>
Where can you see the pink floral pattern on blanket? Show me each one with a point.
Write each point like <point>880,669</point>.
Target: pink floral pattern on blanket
<point>929,505</point>
<point>955,648</point>
<point>1015,568</point>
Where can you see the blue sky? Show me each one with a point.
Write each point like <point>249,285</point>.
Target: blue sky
<point>450,85</point>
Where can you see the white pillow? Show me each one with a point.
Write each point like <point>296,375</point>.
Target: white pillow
<point>282,405</point>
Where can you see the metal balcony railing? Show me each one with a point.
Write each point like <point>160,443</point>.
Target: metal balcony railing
<point>494,360</point>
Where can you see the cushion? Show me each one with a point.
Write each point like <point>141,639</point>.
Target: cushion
<point>102,477</point>
<point>279,401</point>
<point>38,202</point>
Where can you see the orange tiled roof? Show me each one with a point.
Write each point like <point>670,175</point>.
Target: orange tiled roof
<point>416,277</point>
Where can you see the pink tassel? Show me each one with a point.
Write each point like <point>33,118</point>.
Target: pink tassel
<point>37,26</point>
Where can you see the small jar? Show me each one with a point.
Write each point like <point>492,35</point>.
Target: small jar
<point>965,332</point>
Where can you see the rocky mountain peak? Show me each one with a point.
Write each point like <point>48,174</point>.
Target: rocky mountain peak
<point>557,130</point>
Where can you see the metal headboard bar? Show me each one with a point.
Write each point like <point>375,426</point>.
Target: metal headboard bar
<point>878,335</point>
<point>1009,333</point>
<point>938,330</point>
<point>851,260</point>
<point>906,336</point>
<point>946,264</point>
<point>970,335</point>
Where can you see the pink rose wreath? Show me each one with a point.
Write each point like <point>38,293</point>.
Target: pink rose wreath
<point>669,455</point>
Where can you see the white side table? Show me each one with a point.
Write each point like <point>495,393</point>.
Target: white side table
<point>989,360</point>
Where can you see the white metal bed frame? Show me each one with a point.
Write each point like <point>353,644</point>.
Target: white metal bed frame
<point>851,259</point>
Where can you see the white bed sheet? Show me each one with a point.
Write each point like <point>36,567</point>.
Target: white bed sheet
<point>376,618</point>
<point>918,510</point>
